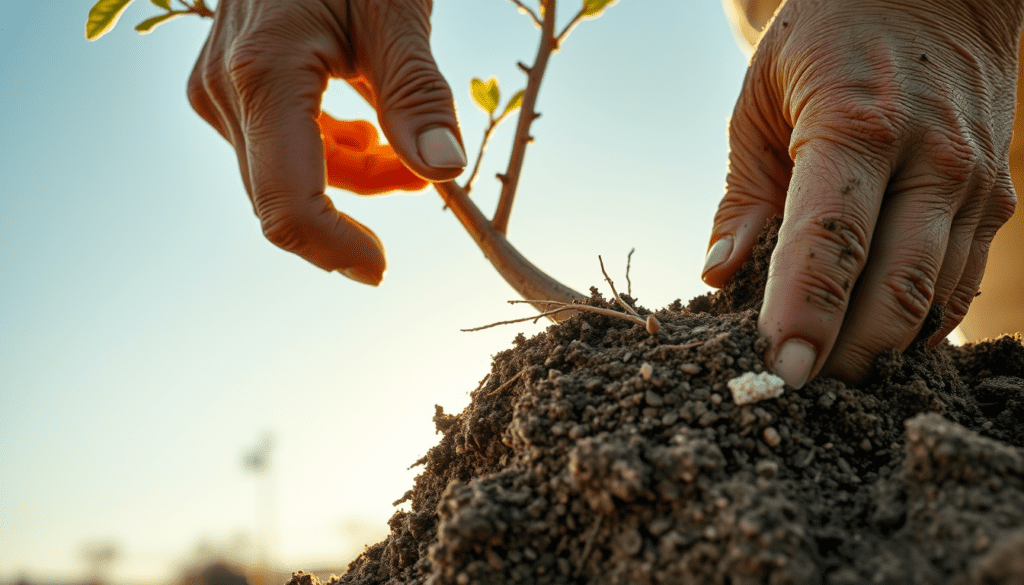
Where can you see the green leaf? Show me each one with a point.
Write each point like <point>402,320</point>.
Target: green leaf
<point>165,4</point>
<point>147,26</point>
<point>514,103</point>
<point>595,7</point>
<point>103,16</point>
<point>485,94</point>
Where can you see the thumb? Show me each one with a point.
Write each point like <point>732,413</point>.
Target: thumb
<point>414,103</point>
<point>759,172</point>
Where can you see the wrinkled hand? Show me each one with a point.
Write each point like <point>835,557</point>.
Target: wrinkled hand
<point>880,130</point>
<point>259,81</point>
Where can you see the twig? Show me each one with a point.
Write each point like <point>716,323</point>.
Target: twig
<point>629,262</point>
<point>615,293</point>
<point>526,117</point>
<point>588,547</point>
<point>565,31</point>
<point>534,318</point>
<point>482,382</point>
<point>480,155</point>
<point>528,10</point>
<point>510,381</point>
<point>198,8</point>
<point>690,345</point>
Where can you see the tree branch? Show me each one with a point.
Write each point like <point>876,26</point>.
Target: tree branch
<point>528,10</point>
<point>526,117</point>
<point>480,155</point>
<point>527,280</point>
<point>565,31</point>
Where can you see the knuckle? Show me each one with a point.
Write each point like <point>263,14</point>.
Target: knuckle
<point>912,290</point>
<point>247,64</point>
<point>414,85</point>
<point>826,292</point>
<point>956,158</point>
<point>1003,201</point>
<point>959,303</point>
<point>283,225</point>
<point>196,89</point>
<point>870,129</point>
<point>842,234</point>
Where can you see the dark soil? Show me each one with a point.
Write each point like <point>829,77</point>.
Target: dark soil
<point>598,453</point>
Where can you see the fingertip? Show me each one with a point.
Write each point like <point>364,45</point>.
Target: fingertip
<point>362,275</point>
<point>439,148</point>
<point>794,362</point>
<point>717,256</point>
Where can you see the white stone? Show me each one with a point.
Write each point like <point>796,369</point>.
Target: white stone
<point>751,387</point>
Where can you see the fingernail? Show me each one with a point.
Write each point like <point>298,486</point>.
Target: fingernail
<point>794,361</point>
<point>718,253</point>
<point>361,275</point>
<point>439,149</point>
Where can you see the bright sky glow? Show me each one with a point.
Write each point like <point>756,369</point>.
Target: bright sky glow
<point>149,334</point>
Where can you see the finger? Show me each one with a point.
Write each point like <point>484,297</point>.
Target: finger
<point>279,98</point>
<point>833,200</point>
<point>357,162</point>
<point>414,103</point>
<point>759,172</point>
<point>998,209</point>
<point>211,96</point>
<point>898,285</point>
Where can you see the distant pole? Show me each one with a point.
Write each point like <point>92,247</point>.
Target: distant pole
<point>258,462</point>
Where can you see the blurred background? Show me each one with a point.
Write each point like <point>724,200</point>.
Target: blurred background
<point>176,391</point>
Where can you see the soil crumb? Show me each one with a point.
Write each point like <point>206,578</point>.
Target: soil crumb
<point>597,453</point>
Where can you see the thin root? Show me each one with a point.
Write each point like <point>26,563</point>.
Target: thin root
<point>615,293</point>
<point>650,323</point>
<point>629,261</point>
<point>508,383</point>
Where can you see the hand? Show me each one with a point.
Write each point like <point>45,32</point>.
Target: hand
<point>259,82</point>
<point>880,130</point>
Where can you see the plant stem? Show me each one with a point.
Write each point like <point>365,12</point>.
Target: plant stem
<point>527,280</point>
<point>526,117</point>
<point>565,31</point>
<point>199,8</point>
<point>480,155</point>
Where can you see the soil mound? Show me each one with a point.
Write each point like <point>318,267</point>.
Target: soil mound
<point>598,453</point>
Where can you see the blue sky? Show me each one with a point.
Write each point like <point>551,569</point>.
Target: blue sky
<point>149,335</point>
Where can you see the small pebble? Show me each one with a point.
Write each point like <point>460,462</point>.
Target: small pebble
<point>716,398</point>
<point>646,371</point>
<point>690,369</point>
<point>751,387</point>
<point>772,437</point>
<point>865,444</point>
<point>766,468</point>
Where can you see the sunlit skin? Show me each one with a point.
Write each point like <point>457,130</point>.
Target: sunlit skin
<point>259,82</point>
<point>879,128</point>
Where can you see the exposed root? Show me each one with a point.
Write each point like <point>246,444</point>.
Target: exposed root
<point>650,323</point>
<point>629,262</point>
<point>615,293</point>
<point>509,383</point>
